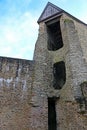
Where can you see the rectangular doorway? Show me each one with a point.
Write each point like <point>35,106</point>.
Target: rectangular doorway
<point>52,123</point>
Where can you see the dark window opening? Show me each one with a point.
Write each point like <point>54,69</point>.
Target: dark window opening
<point>59,73</point>
<point>52,124</point>
<point>54,36</point>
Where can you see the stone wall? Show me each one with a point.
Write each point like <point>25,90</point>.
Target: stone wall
<point>26,87</point>
<point>72,113</point>
<point>81,29</point>
<point>78,67</point>
<point>15,93</point>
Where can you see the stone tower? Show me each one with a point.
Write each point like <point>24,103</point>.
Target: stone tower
<point>50,92</point>
<point>61,70</point>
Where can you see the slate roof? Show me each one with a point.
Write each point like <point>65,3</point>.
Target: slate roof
<point>52,10</point>
<point>49,11</point>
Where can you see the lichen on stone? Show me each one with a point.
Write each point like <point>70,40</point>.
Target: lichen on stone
<point>67,20</point>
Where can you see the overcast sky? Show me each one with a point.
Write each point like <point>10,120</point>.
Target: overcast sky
<point>18,23</point>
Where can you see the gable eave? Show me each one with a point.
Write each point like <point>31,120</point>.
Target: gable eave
<point>54,6</point>
<point>51,17</point>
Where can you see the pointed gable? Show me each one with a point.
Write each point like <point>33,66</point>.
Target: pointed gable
<point>50,10</point>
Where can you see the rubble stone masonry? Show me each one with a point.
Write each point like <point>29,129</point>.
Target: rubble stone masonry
<point>26,87</point>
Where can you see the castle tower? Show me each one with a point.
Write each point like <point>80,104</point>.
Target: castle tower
<point>60,82</point>
<point>50,92</point>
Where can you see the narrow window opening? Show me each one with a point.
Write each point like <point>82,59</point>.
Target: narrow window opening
<point>59,74</point>
<point>52,124</point>
<point>54,36</point>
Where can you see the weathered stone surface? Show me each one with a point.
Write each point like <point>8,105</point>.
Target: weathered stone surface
<point>15,93</point>
<point>26,86</point>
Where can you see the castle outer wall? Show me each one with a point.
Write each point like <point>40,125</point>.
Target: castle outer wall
<point>15,93</point>
<point>27,94</point>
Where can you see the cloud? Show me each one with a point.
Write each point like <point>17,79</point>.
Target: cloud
<point>19,36</point>
<point>18,29</point>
